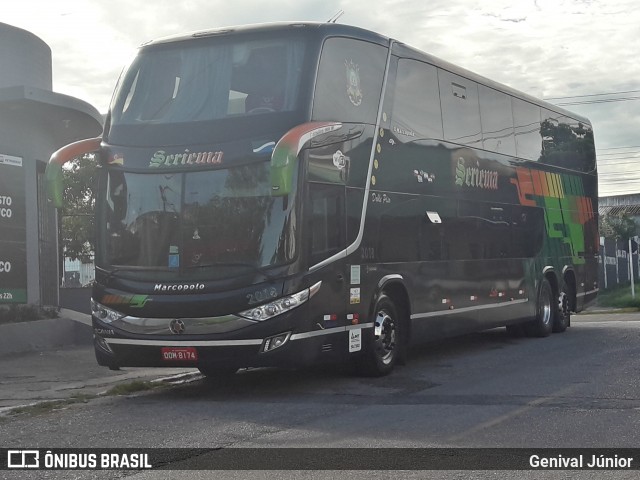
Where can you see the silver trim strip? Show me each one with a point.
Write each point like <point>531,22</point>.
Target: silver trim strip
<point>356,243</point>
<point>468,309</point>
<point>584,294</point>
<point>330,331</point>
<point>229,343</point>
<point>183,343</point>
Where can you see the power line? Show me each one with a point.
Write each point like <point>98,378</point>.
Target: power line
<point>612,162</point>
<point>593,95</point>
<point>604,100</point>
<point>619,148</point>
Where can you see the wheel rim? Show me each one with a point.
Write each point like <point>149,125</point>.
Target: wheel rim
<point>563,304</point>
<point>545,306</point>
<point>385,337</point>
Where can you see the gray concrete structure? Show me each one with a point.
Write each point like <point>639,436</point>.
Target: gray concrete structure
<point>34,122</point>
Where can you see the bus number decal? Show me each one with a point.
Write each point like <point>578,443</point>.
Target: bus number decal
<point>367,253</point>
<point>262,295</point>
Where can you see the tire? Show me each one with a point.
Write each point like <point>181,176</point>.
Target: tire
<point>383,345</point>
<point>563,313</point>
<point>546,306</point>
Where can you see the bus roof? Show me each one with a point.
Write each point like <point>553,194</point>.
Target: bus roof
<point>328,29</point>
<point>325,29</point>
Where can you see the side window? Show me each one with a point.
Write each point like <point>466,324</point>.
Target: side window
<point>460,109</point>
<point>416,104</point>
<point>526,118</point>
<point>527,231</point>
<point>349,81</point>
<point>327,222</point>
<point>567,143</point>
<point>497,121</point>
<point>483,230</point>
<point>398,233</point>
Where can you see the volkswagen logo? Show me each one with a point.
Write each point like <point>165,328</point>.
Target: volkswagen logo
<point>177,326</point>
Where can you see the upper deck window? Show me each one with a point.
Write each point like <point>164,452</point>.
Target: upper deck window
<point>349,81</point>
<point>416,104</point>
<point>209,80</point>
<point>460,109</point>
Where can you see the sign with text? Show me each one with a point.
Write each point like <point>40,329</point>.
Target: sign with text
<point>13,256</point>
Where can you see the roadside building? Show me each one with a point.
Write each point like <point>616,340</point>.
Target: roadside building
<point>34,122</point>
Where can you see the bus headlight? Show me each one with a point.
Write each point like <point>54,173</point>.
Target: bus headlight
<point>282,305</point>
<point>103,313</point>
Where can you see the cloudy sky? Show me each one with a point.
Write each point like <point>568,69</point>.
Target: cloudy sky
<point>586,50</point>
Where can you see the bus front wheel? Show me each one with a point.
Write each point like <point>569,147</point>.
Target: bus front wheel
<point>382,346</point>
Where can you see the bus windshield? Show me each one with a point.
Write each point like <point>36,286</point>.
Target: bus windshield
<point>195,223</point>
<point>207,80</point>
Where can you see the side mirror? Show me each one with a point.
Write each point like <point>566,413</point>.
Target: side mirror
<point>286,152</point>
<point>53,173</point>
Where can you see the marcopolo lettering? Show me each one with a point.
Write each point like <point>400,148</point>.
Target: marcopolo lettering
<point>162,159</point>
<point>180,287</point>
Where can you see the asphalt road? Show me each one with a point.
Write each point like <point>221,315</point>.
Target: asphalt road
<point>577,389</point>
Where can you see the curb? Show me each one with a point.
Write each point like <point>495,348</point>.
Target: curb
<point>72,328</point>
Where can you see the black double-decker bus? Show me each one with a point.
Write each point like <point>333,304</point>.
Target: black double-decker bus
<point>285,194</point>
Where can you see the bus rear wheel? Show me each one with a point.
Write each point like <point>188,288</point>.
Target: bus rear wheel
<point>563,314</point>
<point>542,324</point>
<point>382,347</point>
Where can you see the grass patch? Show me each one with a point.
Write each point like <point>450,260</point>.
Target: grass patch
<point>26,313</point>
<point>42,408</point>
<point>132,387</point>
<point>46,407</point>
<point>620,297</point>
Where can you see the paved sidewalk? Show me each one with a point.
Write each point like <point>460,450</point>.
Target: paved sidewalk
<point>64,372</point>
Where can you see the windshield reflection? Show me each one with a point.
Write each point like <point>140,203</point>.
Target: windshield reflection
<point>195,220</point>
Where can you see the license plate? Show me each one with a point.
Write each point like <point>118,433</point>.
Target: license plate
<point>179,354</point>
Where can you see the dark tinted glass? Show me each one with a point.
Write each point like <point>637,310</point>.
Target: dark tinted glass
<point>197,220</point>
<point>526,117</point>
<point>190,82</point>
<point>349,81</point>
<point>527,231</point>
<point>497,121</point>
<point>327,223</point>
<point>460,109</point>
<point>567,143</point>
<point>416,104</point>
<point>398,231</point>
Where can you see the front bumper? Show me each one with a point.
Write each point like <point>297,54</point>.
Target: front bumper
<point>117,348</point>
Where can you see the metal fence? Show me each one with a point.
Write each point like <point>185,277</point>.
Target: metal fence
<point>616,264</point>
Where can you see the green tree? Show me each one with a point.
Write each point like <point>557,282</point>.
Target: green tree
<point>569,146</point>
<point>77,225</point>
<point>619,226</point>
